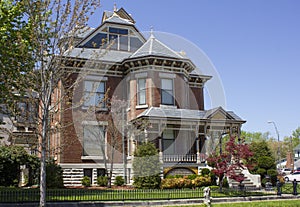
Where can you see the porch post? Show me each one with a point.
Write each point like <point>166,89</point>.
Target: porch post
<point>160,148</point>
<point>197,144</point>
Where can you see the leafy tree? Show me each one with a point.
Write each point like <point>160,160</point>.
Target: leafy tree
<point>251,137</point>
<point>50,29</point>
<point>16,48</point>
<point>11,159</point>
<point>235,156</point>
<point>146,166</point>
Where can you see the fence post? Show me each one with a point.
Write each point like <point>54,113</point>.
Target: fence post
<point>295,187</point>
<point>278,185</point>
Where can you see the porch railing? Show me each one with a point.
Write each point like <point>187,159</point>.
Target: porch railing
<point>188,158</point>
<point>180,158</point>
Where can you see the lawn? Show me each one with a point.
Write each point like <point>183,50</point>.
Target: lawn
<point>277,203</point>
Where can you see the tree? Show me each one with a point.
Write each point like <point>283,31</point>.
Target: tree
<point>11,160</point>
<point>146,166</point>
<point>250,137</point>
<point>16,51</point>
<point>235,156</point>
<point>54,26</point>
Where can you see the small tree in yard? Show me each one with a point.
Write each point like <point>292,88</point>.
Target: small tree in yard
<point>49,35</point>
<point>146,166</point>
<point>235,156</point>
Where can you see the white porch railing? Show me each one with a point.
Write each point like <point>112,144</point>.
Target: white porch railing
<point>180,158</point>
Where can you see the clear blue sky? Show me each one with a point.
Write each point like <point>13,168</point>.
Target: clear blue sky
<point>253,44</point>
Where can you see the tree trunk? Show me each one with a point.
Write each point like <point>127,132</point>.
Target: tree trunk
<point>43,155</point>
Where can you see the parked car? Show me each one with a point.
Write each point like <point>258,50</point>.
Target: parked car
<point>292,177</point>
<point>286,171</point>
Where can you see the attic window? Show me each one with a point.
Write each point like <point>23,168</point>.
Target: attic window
<point>97,41</point>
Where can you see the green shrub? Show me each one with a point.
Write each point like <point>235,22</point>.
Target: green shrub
<point>146,166</point>
<point>261,171</point>
<point>205,171</point>
<point>54,175</point>
<point>201,181</point>
<point>179,183</point>
<point>86,182</point>
<point>192,177</point>
<point>273,175</point>
<point>147,182</point>
<point>119,181</point>
<point>102,181</point>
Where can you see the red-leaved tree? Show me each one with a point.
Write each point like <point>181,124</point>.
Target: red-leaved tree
<point>236,156</point>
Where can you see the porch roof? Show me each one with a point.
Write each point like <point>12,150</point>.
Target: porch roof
<point>187,114</point>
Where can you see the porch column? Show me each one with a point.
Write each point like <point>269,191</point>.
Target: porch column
<point>198,144</point>
<point>160,149</point>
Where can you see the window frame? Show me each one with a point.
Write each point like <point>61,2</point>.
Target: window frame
<point>88,95</point>
<point>96,142</point>
<point>169,92</point>
<point>141,91</point>
<point>168,139</point>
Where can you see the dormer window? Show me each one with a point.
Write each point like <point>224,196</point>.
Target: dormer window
<point>115,38</point>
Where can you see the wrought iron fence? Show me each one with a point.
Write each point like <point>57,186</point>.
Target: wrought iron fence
<point>10,195</point>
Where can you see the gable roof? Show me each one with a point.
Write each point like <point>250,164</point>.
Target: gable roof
<point>123,17</point>
<point>156,48</point>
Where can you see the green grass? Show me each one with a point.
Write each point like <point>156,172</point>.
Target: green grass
<point>277,203</point>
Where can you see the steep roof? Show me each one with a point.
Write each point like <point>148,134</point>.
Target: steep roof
<point>117,16</point>
<point>156,48</point>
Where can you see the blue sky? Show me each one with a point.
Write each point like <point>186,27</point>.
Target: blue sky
<point>253,44</point>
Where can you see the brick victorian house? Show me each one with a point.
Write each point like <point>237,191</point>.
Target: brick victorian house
<point>156,83</point>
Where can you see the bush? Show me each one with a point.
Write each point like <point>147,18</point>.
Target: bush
<point>192,177</point>
<point>273,175</point>
<point>102,181</point>
<point>266,162</point>
<point>205,171</point>
<point>261,171</point>
<point>119,181</point>
<point>54,175</point>
<point>147,182</point>
<point>86,182</point>
<point>179,183</point>
<point>146,166</point>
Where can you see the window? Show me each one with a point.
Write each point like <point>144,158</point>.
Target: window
<point>168,142</point>
<point>141,91</point>
<point>93,140</point>
<point>116,38</point>
<point>26,112</point>
<point>97,41</point>
<point>167,97</point>
<point>94,93</point>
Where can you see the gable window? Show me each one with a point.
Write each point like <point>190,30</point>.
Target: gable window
<point>94,93</point>
<point>141,91</point>
<point>167,92</point>
<point>114,38</point>
<point>93,140</point>
<point>168,142</point>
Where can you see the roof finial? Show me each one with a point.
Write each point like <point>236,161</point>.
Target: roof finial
<point>115,7</point>
<point>151,32</point>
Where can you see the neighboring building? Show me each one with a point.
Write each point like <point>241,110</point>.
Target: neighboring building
<point>18,123</point>
<point>159,85</point>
